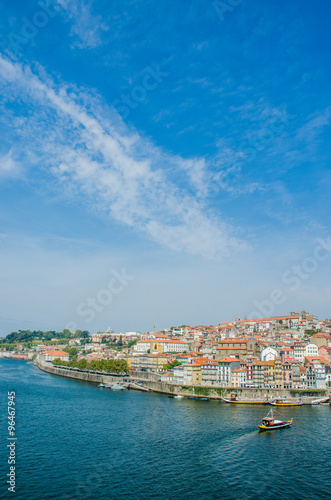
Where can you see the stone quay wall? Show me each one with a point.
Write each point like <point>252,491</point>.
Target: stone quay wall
<point>47,366</point>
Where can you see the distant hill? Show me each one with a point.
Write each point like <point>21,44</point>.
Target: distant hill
<point>38,335</point>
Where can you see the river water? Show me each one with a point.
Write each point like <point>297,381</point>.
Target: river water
<point>77,441</point>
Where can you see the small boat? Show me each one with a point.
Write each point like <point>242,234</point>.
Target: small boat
<point>170,396</point>
<point>101,385</point>
<point>191,397</point>
<point>283,402</point>
<point>270,423</point>
<point>117,387</point>
<point>178,397</point>
<point>320,401</point>
<point>233,400</point>
<point>204,399</point>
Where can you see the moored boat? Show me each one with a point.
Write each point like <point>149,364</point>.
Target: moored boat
<point>282,402</point>
<point>204,399</point>
<point>117,387</point>
<point>233,400</point>
<point>320,401</point>
<point>270,423</point>
<point>178,396</point>
<point>191,397</point>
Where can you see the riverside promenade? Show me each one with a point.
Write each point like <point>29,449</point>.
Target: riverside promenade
<point>48,367</point>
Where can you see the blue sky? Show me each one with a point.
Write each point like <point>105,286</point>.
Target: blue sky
<point>185,142</point>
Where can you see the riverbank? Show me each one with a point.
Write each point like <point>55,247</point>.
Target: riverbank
<point>48,367</point>
<point>145,381</point>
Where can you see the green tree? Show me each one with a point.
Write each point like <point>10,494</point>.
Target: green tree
<point>82,363</point>
<point>172,365</point>
<point>57,361</point>
<point>72,351</point>
<point>175,363</point>
<point>66,333</point>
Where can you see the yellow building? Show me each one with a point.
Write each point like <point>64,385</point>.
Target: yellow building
<point>148,362</point>
<point>192,374</point>
<point>278,373</point>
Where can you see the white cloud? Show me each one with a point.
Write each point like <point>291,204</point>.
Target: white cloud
<point>122,173</point>
<point>9,167</point>
<point>314,126</point>
<point>85,26</point>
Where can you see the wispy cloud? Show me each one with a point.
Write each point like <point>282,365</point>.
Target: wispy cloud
<point>9,166</point>
<point>315,125</point>
<point>124,175</point>
<point>86,27</point>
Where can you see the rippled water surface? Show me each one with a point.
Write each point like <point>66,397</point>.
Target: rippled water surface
<point>76,441</point>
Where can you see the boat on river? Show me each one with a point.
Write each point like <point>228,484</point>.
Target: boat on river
<point>284,402</point>
<point>178,396</point>
<point>321,401</point>
<point>117,387</point>
<point>234,400</point>
<point>270,423</point>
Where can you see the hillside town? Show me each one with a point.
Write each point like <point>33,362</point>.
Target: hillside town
<point>284,352</point>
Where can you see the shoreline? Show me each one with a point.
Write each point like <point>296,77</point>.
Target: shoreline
<point>170,390</point>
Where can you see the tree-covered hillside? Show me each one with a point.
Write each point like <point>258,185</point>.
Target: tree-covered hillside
<point>37,335</point>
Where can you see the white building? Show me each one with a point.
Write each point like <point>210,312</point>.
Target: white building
<point>178,375</point>
<point>51,355</point>
<point>225,366</point>
<point>209,373</point>
<point>178,331</point>
<point>142,346</point>
<point>268,354</point>
<point>299,352</point>
<point>175,346</point>
<point>320,376</point>
<point>311,350</point>
<point>238,377</point>
<point>161,346</point>
<point>167,377</point>
<point>132,334</point>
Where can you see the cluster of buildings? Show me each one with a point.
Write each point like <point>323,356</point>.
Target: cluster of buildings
<point>280,352</point>
<point>284,352</point>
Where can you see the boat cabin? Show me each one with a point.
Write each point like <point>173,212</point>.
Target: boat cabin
<point>267,421</point>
